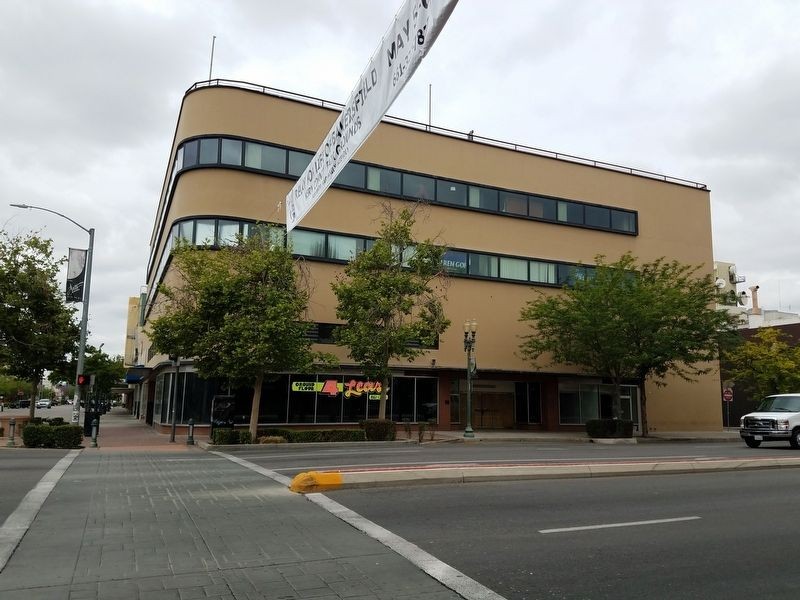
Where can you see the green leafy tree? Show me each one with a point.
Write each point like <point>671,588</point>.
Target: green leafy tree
<point>625,320</point>
<point>239,312</point>
<point>390,297</point>
<point>765,364</point>
<point>37,329</point>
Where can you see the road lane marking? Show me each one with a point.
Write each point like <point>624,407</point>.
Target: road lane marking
<point>16,525</point>
<point>282,479</point>
<point>452,578</point>
<point>610,525</point>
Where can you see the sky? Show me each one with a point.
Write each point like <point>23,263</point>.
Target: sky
<point>707,91</point>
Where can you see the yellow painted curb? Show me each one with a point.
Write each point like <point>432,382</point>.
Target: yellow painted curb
<point>315,481</point>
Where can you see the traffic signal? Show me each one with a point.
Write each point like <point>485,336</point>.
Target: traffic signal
<point>83,379</point>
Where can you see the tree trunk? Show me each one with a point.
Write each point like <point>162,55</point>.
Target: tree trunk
<point>643,399</point>
<point>256,407</point>
<point>384,395</point>
<point>32,408</point>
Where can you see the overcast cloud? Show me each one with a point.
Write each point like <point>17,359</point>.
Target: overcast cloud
<point>707,91</point>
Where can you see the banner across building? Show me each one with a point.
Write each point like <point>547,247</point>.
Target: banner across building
<point>411,35</point>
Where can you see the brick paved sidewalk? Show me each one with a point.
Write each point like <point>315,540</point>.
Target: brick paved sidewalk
<point>119,431</point>
<point>142,525</point>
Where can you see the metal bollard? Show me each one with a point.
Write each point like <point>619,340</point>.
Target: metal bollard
<point>12,423</point>
<point>94,433</point>
<point>190,439</point>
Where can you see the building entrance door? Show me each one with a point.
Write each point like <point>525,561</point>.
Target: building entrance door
<point>491,410</point>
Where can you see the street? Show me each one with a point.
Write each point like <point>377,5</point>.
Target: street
<point>289,460</point>
<point>172,520</point>
<point>722,535</point>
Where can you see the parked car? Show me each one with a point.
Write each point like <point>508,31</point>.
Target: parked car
<point>44,403</point>
<point>777,419</point>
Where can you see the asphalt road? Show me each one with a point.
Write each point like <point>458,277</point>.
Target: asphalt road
<point>722,535</point>
<point>20,471</point>
<point>289,460</point>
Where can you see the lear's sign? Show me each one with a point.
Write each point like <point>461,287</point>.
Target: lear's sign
<point>415,28</point>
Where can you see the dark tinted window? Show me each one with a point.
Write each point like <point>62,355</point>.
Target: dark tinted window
<point>352,175</point>
<point>190,153</point>
<point>231,152</point>
<point>542,208</point>
<point>298,161</point>
<point>385,181</point>
<point>597,216</point>
<point>209,151</point>
<point>450,192</point>
<point>515,204</point>
<point>622,220</point>
<point>417,186</point>
<point>570,212</point>
<point>481,197</point>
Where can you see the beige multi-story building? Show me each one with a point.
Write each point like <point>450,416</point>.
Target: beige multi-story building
<point>517,222</point>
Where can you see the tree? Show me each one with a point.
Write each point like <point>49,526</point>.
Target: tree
<point>239,312</point>
<point>37,329</point>
<point>390,297</point>
<point>766,364</point>
<point>628,321</point>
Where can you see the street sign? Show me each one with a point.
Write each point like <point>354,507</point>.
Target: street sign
<point>727,395</point>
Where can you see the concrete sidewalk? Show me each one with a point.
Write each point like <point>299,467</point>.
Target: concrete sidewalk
<point>155,525</point>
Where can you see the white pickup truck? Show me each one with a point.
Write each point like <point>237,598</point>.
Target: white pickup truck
<point>777,419</point>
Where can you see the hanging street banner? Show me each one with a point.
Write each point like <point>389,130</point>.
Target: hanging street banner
<point>416,26</point>
<point>76,273</point>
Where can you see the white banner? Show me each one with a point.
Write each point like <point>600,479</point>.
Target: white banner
<point>76,273</point>
<point>416,26</point>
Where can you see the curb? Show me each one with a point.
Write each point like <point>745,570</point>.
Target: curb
<point>285,445</point>
<point>322,481</point>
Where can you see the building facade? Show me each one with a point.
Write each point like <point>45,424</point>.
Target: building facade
<point>517,221</point>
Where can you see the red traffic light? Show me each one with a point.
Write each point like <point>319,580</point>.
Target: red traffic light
<point>83,380</point>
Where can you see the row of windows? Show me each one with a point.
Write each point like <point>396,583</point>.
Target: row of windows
<point>264,157</point>
<point>338,247</point>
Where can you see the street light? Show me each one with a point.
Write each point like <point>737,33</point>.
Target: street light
<point>470,332</point>
<point>76,406</point>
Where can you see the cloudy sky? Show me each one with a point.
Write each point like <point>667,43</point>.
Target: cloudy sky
<point>707,91</point>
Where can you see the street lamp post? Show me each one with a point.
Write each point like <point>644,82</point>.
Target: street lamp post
<point>76,406</point>
<point>470,332</point>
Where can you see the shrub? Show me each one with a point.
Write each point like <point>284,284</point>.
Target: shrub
<point>271,439</point>
<point>421,427</point>
<point>56,421</point>
<point>245,437</point>
<point>379,430</point>
<point>38,436</point>
<point>67,436</point>
<point>431,429</point>
<point>302,436</point>
<point>609,428</point>
<point>224,437</point>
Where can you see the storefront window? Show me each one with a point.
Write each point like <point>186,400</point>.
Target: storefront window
<point>427,399</point>
<point>274,400</point>
<point>528,402</point>
<point>402,399</point>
